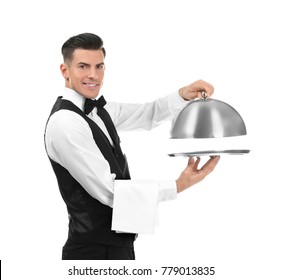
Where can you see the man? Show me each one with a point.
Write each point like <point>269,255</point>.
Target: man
<point>84,149</point>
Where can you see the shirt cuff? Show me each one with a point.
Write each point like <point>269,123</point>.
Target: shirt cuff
<point>176,103</point>
<point>167,190</point>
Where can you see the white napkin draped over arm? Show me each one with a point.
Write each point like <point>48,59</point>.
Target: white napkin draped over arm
<point>135,206</point>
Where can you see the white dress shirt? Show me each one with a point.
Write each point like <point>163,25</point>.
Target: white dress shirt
<point>69,142</point>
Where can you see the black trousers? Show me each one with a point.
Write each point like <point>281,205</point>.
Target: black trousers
<point>91,251</point>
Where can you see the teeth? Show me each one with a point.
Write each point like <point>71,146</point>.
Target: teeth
<point>90,85</point>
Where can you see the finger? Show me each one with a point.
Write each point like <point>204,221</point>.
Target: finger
<point>190,162</point>
<point>208,88</point>
<point>195,167</point>
<point>204,86</point>
<point>209,166</point>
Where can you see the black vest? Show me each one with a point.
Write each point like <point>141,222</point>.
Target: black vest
<point>90,220</point>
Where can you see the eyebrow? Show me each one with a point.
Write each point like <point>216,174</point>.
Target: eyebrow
<point>87,64</point>
<point>100,64</point>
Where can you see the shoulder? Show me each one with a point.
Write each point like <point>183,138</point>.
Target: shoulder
<point>67,122</point>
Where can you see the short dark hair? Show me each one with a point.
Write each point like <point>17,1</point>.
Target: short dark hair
<point>85,41</point>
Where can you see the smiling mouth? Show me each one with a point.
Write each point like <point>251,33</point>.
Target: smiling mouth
<point>90,85</point>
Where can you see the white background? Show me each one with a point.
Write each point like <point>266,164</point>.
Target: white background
<point>232,220</point>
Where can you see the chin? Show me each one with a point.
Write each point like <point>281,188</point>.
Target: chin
<point>90,94</point>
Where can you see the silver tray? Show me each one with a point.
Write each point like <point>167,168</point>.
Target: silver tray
<point>210,153</point>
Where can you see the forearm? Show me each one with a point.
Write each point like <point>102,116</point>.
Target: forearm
<point>145,116</point>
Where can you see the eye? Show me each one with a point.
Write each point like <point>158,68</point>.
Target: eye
<point>82,66</point>
<point>101,66</point>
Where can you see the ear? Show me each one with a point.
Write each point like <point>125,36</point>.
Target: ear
<point>65,70</point>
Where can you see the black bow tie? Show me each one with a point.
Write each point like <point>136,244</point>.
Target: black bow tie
<point>90,104</point>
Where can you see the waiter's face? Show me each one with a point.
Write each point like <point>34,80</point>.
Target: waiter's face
<point>85,73</point>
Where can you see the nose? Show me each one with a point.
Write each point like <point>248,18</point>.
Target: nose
<point>93,73</point>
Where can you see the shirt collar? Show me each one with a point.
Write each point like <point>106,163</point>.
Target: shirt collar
<point>74,97</point>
